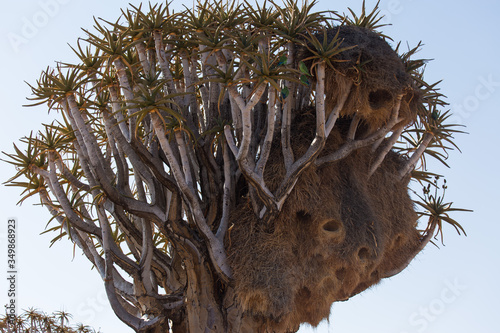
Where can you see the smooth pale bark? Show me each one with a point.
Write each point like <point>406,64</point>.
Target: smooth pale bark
<point>385,149</point>
<point>417,154</point>
<point>353,144</point>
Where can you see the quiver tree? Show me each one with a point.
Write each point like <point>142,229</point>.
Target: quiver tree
<point>237,167</point>
<point>32,320</point>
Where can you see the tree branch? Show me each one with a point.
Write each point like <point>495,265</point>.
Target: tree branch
<point>268,140</point>
<point>226,199</point>
<point>410,164</point>
<point>334,114</point>
<point>385,150</point>
<point>352,145</point>
<point>215,247</point>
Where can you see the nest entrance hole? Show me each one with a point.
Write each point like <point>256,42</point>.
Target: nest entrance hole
<point>364,253</point>
<point>379,98</point>
<point>332,226</point>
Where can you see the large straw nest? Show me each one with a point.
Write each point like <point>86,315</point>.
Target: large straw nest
<point>340,230</point>
<point>338,233</point>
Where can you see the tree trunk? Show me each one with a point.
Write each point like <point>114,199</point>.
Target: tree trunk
<point>213,308</point>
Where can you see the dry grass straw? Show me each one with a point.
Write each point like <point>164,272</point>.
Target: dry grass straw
<point>340,230</point>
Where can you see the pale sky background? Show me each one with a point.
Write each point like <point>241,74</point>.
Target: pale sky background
<point>451,289</point>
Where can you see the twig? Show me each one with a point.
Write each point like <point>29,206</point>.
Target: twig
<point>385,150</point>
<point>226,199</point>
<point>410,164</point>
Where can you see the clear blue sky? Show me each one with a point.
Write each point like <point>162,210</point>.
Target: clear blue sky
<point>451,289</point>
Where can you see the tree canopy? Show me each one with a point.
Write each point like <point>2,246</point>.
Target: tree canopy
<point>33,320</point>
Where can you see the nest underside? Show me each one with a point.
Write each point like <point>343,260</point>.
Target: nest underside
<point>338,233</point>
